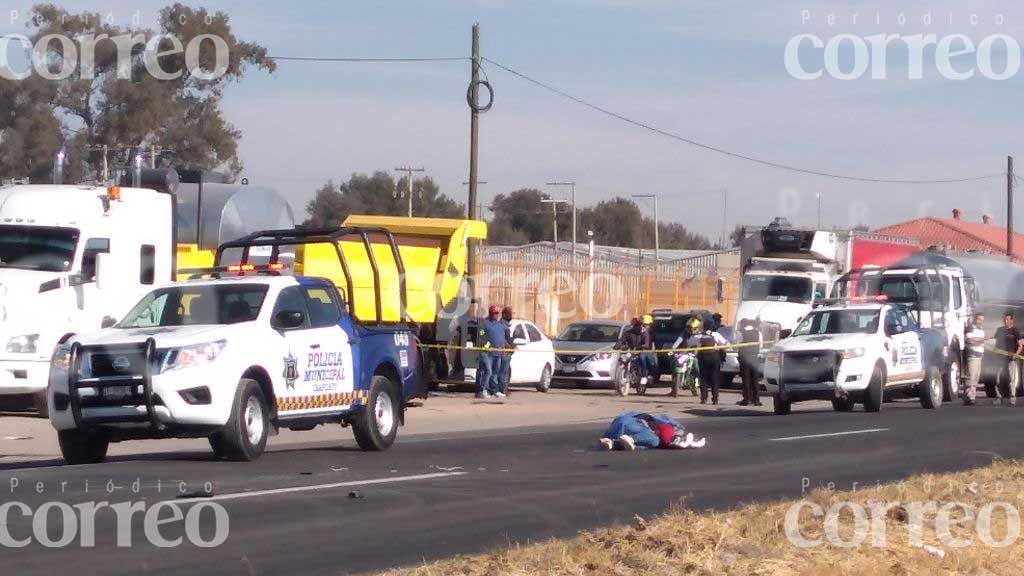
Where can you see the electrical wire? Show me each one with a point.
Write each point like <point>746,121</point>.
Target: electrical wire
<point>725,152</point>
<point>320,59</point>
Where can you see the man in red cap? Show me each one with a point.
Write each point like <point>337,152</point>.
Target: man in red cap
<point>491,341</point>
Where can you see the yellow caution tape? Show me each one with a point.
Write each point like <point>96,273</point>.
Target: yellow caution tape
<point>488,348</point>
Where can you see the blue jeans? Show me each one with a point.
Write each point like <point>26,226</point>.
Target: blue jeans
<point>649,362</point>
<point>486,369</point>
<point>628,424</point>
<point>501,374</point>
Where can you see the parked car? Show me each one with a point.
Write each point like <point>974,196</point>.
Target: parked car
<point>584,353</point>
<point>532,363</point>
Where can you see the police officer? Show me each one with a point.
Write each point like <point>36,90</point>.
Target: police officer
<point>709,359</point>
<point>750,367</point>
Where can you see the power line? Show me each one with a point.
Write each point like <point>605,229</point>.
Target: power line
<point>723,151</point>
<point>320,59</point>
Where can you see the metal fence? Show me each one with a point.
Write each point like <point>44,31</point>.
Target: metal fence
<point>553,288</point>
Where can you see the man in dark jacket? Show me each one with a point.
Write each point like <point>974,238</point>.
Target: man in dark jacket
<point>1008,341</point>
<point>749,337</point>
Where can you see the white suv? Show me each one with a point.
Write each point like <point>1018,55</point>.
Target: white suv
<point>856,352</point>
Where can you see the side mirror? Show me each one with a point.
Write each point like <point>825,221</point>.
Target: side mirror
<point>785,334</point>
<point>107,322</point>
<point>520,341</point>
<point>288,319</point>
<point>104,270</point>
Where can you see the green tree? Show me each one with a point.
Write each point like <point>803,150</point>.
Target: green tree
<point>128,109</point>
<point>378,194</point>
<point>737,236</point>
<point>524,211</point>
<point>29,129</point>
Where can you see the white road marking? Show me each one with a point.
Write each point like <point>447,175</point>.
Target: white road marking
<point>296,489</point>
<point>790,438</point>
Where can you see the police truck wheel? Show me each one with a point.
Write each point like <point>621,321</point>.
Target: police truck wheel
<point>781,406</point>
<point>842,404</point>
<point>931,388</point>
<point>875,392</point>
<point>544,384</point>
<point>217,444</point>
<point>245,434</point>
<point>376,427</point>
<point>79,447</point>
<point>41,404</point>
<point>951,381</point>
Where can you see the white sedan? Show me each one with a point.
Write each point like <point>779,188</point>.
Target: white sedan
<point>533,362</point>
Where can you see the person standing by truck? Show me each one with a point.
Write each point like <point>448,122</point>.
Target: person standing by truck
<point>1008,341</point>
<point>975,338</point>
<point>710,354</point>
<point>492,338</point>
<point>750,366</point>
<point>504,373</point>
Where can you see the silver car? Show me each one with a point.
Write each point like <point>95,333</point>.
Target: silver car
<point>584,352</point>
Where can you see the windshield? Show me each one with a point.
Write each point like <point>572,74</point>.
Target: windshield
<point>838,322</point>
<point>37,247</point>
<point>591,333</point>
<point>192,305</point>
<point>901,289</point>
<point>777,289</point>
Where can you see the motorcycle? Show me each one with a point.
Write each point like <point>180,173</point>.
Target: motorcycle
<point>684,373</point>
<point>629,375</point>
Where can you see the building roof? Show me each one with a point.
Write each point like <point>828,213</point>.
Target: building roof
<point>958,235</point>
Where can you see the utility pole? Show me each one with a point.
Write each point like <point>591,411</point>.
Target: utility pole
<point>479,205</point>
<point>554,216</point>
<point>725,214</point>
<point>573,201</point>
<point>1009,207</point>
<point>817,195</point>
<point>408,182</point>
<point>474,143</point>
<point>657,246</point>
<point>106,165</point>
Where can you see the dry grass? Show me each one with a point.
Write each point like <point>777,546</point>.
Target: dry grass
<point>752,539</point>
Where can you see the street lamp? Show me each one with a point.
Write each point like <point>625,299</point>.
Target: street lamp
<point>554,216</point>
<point>572,185</point>
<point>657,254</point>
<point>817,195</point>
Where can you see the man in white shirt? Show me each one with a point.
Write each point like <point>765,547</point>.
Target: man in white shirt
<point>975,351</point>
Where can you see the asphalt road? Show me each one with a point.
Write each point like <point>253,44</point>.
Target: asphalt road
<point>434,497</point>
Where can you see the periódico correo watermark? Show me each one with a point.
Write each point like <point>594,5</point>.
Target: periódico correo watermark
<point>166,524</point>
<point>848,524</point>
<point>78,54</point>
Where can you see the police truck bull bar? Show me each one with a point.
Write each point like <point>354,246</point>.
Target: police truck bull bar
<point>132,380</point>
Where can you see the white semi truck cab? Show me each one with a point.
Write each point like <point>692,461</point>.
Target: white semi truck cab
<point>73,258</point>
<point>785,270</point>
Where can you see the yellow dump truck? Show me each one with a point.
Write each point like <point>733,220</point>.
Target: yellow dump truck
<point>434,254</point>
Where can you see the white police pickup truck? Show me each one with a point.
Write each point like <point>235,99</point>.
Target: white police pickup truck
<point>856,352</point>
<point>234,358</point>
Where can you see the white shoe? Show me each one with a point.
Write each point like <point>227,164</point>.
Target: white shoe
<point>484,394</point>
<point>607,443</point>
<point>498,395</point>
<point>626,443</point>
<point>689,442</point>
<point>643,381</point>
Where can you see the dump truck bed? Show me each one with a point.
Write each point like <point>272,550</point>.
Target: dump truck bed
<point>434,251</point>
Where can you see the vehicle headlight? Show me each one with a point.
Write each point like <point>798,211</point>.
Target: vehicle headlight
<point>853,353</point>
<point>24,344</point>
<point>192,355</point>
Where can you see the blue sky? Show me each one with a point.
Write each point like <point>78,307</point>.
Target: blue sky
<point>712,72</point>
